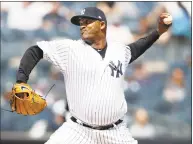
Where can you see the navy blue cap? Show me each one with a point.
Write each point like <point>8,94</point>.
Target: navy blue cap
<point>90,13</point>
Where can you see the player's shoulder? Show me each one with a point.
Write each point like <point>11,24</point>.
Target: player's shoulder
<point>59,42</point>
<point>118,44</point>
<point>56,41</point>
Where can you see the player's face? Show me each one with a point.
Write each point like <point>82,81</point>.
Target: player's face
<point>90,29</point>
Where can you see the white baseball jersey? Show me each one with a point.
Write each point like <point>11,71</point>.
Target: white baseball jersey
<point>94,85</point>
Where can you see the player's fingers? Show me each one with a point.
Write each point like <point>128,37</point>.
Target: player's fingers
<point>25,96</point>
<point>17,106</point>
<point>23,101</point>
<point>28,107</point>
<point>22,107</point>
<point>34,104</point>
<point>164,15</point>
<point>36,107</point>
<point>20,104</point>
<point>26,104</point>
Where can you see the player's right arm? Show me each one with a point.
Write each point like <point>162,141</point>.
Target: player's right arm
<point>53,51</point>
<point>137,48</point>
<point>29,60</point>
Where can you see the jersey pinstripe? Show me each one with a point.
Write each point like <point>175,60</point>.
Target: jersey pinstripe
<point>94,86</point>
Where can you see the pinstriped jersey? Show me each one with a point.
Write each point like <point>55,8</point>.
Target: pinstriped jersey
<point>94,85</point>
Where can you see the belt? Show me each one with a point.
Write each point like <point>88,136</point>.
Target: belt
<point>97,127</point>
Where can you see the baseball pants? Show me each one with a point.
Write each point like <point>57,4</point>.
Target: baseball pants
<point>73,133</point>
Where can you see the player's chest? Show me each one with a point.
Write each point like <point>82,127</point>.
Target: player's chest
<point>90,62</point>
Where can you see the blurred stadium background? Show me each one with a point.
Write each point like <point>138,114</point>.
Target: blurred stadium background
<point>157,85</point>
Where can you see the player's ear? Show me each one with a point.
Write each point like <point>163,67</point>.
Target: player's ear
<point>103,25</point>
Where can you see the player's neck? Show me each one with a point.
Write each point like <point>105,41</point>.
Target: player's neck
<point>98,44</point>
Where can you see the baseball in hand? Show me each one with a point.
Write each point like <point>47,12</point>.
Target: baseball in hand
<point>168,20</point>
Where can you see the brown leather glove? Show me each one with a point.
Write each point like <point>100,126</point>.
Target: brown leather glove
<point>24,100</point>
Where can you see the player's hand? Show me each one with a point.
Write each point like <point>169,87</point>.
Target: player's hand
<point>164,22</point>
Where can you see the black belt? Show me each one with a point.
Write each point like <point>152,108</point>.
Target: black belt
<point>97,127</point>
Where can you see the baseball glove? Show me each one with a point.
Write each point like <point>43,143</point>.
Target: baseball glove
<point>24,100</point>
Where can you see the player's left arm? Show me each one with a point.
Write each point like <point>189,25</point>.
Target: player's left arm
<point>139,47</point>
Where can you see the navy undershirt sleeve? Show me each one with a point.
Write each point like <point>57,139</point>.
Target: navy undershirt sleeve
<point>30,58</point>
<point>140,46</point>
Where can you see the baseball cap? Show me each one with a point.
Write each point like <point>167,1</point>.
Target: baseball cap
<point>91,13</point>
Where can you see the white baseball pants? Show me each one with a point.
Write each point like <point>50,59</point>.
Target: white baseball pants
<point>73,133</point>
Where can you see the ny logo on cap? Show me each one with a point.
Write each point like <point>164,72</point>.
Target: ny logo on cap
<point>99,17</point>
<point>83,11</point>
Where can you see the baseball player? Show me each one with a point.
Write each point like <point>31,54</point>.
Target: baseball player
<point>93,69</point>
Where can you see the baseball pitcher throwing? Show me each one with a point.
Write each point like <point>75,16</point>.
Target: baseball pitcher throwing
<point>93,69</point>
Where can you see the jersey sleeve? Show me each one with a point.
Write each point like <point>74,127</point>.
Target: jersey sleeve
<point>56,52</point>
<point>127,54</point>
